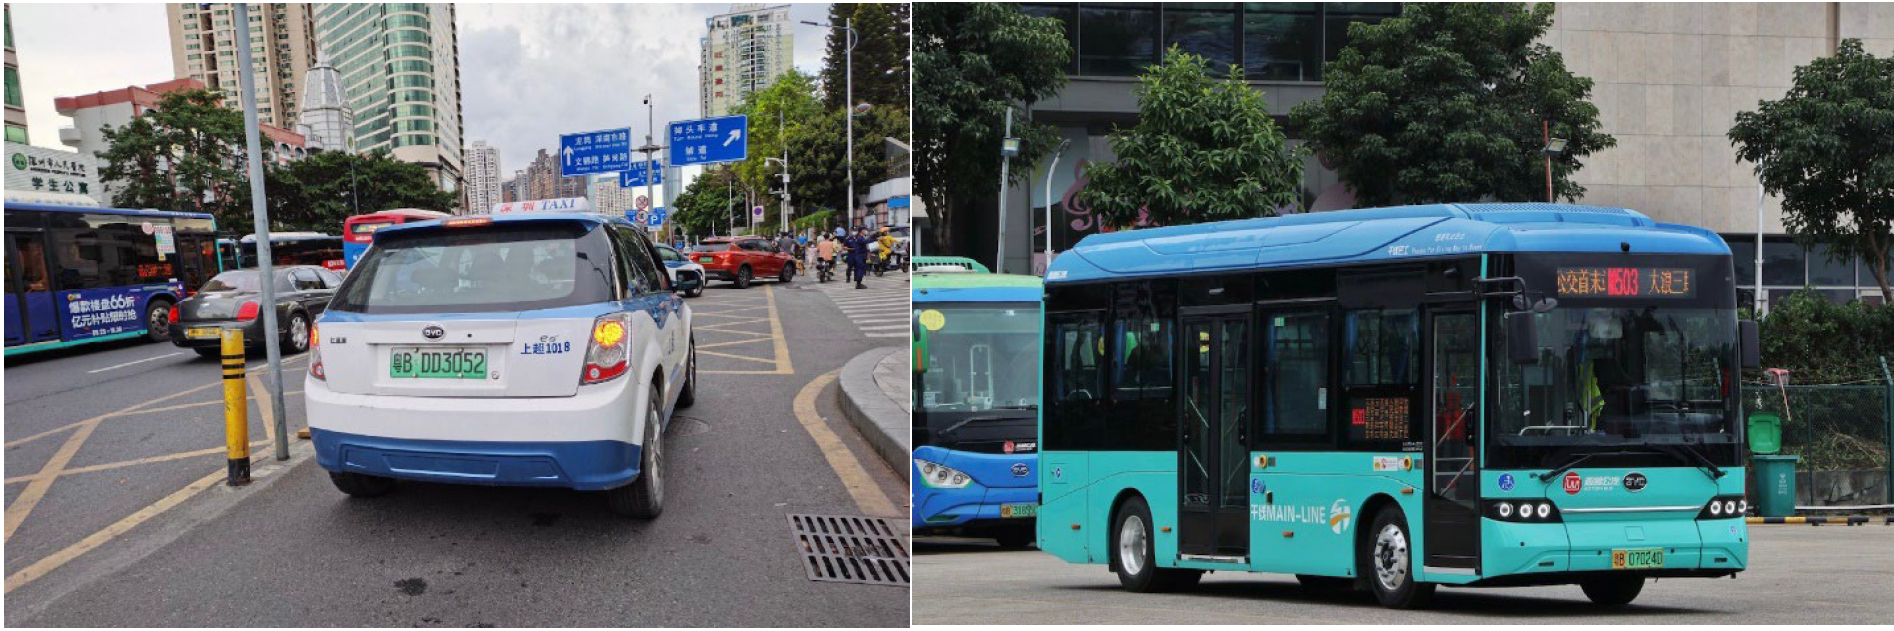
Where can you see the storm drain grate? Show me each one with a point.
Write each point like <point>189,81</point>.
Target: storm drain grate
<point>849,549</point>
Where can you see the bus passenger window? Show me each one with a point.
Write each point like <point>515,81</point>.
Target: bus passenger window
<point>1296,379</point>
<point>1077,361</point>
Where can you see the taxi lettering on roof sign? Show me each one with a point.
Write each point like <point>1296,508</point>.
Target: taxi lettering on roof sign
<point>559,205</point>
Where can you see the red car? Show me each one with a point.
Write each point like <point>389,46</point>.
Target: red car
<point>742,259</point>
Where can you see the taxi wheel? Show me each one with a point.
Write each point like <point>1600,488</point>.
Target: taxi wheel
<point>688,396</point>
<point>644,497</point>
<point>1389,564</point>
<point>699,289</point>
<point>158,321</point>
<point>1613,591</point>
<point>358,485</point>
<point>743,277</point>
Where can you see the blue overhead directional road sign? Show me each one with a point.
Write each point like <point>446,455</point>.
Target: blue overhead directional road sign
<point>602,151</point>
<point>634,176</point>
<point>710,140</point>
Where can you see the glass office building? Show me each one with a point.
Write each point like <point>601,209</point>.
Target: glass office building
<point>401,75</point>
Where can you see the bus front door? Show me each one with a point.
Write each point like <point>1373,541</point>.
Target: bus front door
<point>1453,467</point>
<point>29,301</point>
<point>1213,458</point>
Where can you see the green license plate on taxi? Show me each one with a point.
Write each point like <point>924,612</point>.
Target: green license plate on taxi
<point>438,362</point>
<point>1019,510</point>
<point>1637,558</point>
<point>203,333</point>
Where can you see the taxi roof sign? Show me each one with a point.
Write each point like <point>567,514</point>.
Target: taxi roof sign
<point>560,205</point>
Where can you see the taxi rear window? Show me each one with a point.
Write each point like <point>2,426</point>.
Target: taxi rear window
<point>493,268</point>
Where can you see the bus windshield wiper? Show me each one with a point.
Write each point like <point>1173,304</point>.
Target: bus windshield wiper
<point>976,419</point>
<point>1574,460</point>
<point>1689,454</point>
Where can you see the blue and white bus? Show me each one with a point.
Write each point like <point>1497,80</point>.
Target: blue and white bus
<point>1395,399</point>
<point>976,401</point>
<point>78,275</point>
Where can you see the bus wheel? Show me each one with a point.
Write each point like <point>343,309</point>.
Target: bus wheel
<point>158,320</point>
<point>1390,563</point>
<point>1136,554</point>
<point>1613,591</point>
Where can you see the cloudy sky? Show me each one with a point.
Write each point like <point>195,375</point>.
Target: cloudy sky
<point>528,72</point>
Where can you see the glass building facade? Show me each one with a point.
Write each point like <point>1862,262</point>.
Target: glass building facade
<point>1272,41</point>
<point>401,76</point>
<point>1788,266</point>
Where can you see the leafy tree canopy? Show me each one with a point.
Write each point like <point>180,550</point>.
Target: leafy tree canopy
<point>881,55</point>
<point>1449,103</point>
<point>1827,147</point>
<point>1203,150</point>
<point>186,154</point>
<point>320,190</point>
<point>975,61</point>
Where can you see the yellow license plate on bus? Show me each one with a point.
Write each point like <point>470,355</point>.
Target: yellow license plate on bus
<point>1019,510</point>
<point>203,333</point>
<point>1637,558</point>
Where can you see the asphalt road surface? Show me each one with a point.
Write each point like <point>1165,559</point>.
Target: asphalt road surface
<point>1798,575</point>
<point>116,515</point>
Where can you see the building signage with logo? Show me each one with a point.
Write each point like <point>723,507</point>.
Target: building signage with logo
<point>33,169</point>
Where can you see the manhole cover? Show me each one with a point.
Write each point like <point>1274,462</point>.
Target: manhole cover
<point>684,426</point>
<point>850,549</point>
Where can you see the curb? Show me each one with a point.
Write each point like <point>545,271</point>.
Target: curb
<point>1855,520</point>
<point>879,419</point>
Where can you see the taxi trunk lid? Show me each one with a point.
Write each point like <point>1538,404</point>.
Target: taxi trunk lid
<point>480,355</point>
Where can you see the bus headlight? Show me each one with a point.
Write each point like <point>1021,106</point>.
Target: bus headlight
<point>1545,510</point>
<point>1724,507</point>
<point>1716,509</point>
<point>1527,511</point>
<point>941,476</point>
<point>1505,510</point>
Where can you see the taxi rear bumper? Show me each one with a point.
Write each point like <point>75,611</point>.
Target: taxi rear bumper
<point>585,466</point>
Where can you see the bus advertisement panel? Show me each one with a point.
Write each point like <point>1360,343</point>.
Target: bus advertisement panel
<point>77,275</point>
<point>976,398</point>
<point>1398,399</point>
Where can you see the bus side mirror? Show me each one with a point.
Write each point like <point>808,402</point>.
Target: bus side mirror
<point>1522,338</point>
<point>1750,339</point>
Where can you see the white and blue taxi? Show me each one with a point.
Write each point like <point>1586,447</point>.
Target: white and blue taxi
<point>523,349</point>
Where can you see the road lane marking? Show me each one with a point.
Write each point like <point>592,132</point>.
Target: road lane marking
<point>52,562</point>
<point>133,362</point>
<point>22,441</point>
<point>131,463</point>
<point>776,331</point>
<point>868,496</point>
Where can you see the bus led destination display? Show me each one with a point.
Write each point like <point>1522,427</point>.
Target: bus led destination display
<point>1626,282</point>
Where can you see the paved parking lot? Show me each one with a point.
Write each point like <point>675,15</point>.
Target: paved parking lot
<point>1798,575</point>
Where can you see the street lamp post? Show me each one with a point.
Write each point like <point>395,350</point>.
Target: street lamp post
<point>1050,171</point>
<point>261,216</point>
<point>1553,147</point>
<point>1009,147</point>
<point>848,99</point>
<point>650,147</point>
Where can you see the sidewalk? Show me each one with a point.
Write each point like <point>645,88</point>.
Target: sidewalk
<point>873,393</point>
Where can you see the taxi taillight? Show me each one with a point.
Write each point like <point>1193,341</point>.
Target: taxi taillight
<point>315,354</point>
<point>608,353</point>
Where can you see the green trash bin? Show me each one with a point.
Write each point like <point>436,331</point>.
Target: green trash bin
<point>1775,485</point>
<point>1765,433</point>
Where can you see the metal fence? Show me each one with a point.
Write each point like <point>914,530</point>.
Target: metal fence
<point>1841,434</point>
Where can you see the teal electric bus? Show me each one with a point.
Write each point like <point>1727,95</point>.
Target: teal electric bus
<point>976,401</point>
<point>1394,399</point>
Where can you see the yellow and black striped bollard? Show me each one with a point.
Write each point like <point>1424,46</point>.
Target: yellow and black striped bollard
<point>236,409</point>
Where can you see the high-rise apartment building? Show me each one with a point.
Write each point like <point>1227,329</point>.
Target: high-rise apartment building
<point>743,51</point>
<point>541,180</point>
<point>16,99</point>
<point>400,67</point>
<point>483,177</point>
<point>282,40</point>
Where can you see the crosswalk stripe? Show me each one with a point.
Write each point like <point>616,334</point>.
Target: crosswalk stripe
<point>879,311</point>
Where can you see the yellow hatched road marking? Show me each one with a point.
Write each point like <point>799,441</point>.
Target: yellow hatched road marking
<point>131,463</point>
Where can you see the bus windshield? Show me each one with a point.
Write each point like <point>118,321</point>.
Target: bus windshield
<point>1614,377</point>
<point>982,368</point>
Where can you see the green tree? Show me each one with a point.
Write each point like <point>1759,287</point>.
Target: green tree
<point>1204,149</point>
<point>1449,103</point>
<point>705,207</point>
<point>185,154</point>
<point>975,61</point>
<point>881,55</point>
<point>1827,147</point>
<point>320,190</point>
<point>817,156</point>
<point>778,115</point>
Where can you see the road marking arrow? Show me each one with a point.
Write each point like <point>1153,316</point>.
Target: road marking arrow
<point>734,135</point>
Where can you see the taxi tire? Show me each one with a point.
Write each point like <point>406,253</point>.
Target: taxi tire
<point>743,277</point>
<point>699,289</point>
<point>360,485</point>
<point>1149,577</point>
<point>644,497</point>
<point>1613,591</point>
<point>158,320</point>
<point>687,396</point>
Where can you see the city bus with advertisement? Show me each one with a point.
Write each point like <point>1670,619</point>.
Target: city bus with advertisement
<point>976,400</point>
<point>1395,399</point>
<point>288,248</point>
<point>359,231</point>
<point>77,275</point>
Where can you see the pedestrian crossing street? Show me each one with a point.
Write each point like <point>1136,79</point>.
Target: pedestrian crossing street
<point>880,311</point>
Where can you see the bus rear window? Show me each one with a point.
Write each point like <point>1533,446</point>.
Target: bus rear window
<point>490,269</point>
